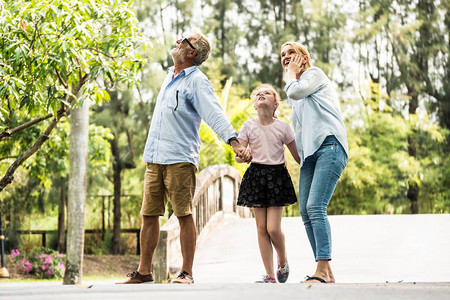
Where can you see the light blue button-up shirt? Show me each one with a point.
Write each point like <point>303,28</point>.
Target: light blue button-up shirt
<point>182,103</point>
<point>316,112</point>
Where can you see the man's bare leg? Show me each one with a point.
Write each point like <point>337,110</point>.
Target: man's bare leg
<point>188,239</point>
<point>149,239</point>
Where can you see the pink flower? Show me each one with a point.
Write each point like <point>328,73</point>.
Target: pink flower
<point>14,253</point>
<point>26,265</point>
<point>61,266</point>
<point>48,260</point>
<point>42,255</point>
<point>44,267</point>
<point>59,254</point>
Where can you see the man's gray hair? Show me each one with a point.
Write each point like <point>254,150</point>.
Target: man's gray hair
<point>203,49</point>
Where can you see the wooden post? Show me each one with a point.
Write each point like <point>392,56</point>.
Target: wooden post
<point>109,212</point>
<point>103,217</point>
<point>160,259</point>
<point>221,193</point>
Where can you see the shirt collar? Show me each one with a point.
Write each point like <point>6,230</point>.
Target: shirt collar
<point>186,71</point>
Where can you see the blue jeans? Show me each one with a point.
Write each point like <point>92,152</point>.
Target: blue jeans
<point>318,178</point>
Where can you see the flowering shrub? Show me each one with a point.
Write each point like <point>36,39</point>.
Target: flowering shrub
<point>44,265</point>
<point>14,254</point>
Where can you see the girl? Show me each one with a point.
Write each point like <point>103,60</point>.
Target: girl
<point>266,185</point>
<point>322,143</point>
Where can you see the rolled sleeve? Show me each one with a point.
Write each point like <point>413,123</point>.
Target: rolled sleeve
<point>308,83</point>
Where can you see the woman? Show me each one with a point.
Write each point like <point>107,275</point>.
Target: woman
<point>322,145</point>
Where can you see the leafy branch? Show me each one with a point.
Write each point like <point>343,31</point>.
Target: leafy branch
<point>9,132</point>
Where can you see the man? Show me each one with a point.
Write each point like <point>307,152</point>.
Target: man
<point>172,152</point>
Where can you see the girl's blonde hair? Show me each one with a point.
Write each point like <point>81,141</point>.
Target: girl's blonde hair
<point>300,49</point>
<point>272,89</point>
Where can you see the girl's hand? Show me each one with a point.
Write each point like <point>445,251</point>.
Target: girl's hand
<point>243,152</point>
<point>248,155</point>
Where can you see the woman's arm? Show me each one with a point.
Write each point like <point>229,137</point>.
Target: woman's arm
<point>293,149</point>
<point>298,88</point>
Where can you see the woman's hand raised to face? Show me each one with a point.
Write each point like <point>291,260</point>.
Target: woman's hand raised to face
<point>296,66</point>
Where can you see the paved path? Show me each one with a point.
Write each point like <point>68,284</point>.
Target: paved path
<point>247,291</point>
<point>410,252</point>
<point>366,249</point>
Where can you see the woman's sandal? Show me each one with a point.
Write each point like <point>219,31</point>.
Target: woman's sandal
<point>308,278</point>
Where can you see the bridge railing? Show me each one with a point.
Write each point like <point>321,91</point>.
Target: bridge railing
<point>216,194</point>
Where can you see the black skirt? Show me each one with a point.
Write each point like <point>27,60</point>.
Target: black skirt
<point>266,186</point>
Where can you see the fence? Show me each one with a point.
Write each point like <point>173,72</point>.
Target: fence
<point>44,233</point>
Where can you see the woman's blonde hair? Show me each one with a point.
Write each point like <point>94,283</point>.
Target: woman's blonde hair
<point>300,49</point>
<point>269,87</point>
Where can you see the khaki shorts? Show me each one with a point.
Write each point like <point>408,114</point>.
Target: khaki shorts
<point>162,182</point>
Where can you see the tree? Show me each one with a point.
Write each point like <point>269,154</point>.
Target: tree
<point>414,58</point>
<point>411,37</point>
<point>52,50</point>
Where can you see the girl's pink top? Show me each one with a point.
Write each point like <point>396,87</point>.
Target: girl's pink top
<point>267,142</point>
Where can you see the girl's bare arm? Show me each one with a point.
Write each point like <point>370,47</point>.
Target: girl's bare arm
<point>293,149</point>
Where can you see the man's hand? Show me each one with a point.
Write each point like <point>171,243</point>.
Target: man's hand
<point>242,152</point>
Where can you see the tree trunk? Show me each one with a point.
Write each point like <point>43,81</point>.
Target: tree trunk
<point>78,152</point>
<point>116,249</point>
<point>413,187</point>
<point>61,247</point>
<point>223,7</point>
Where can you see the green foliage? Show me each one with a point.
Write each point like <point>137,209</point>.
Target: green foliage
<point>51,46</point>
<point>380,168</point>
<point>373,181</point>
<point>54,55</point>
<point>38,189</point>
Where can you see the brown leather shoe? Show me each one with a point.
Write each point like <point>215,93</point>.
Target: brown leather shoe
<point>184,277</point>
<point>136,277</point>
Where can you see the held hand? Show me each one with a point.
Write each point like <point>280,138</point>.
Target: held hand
<point>241,152</point>
<point>237,148</point>
<point>247,156</point>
